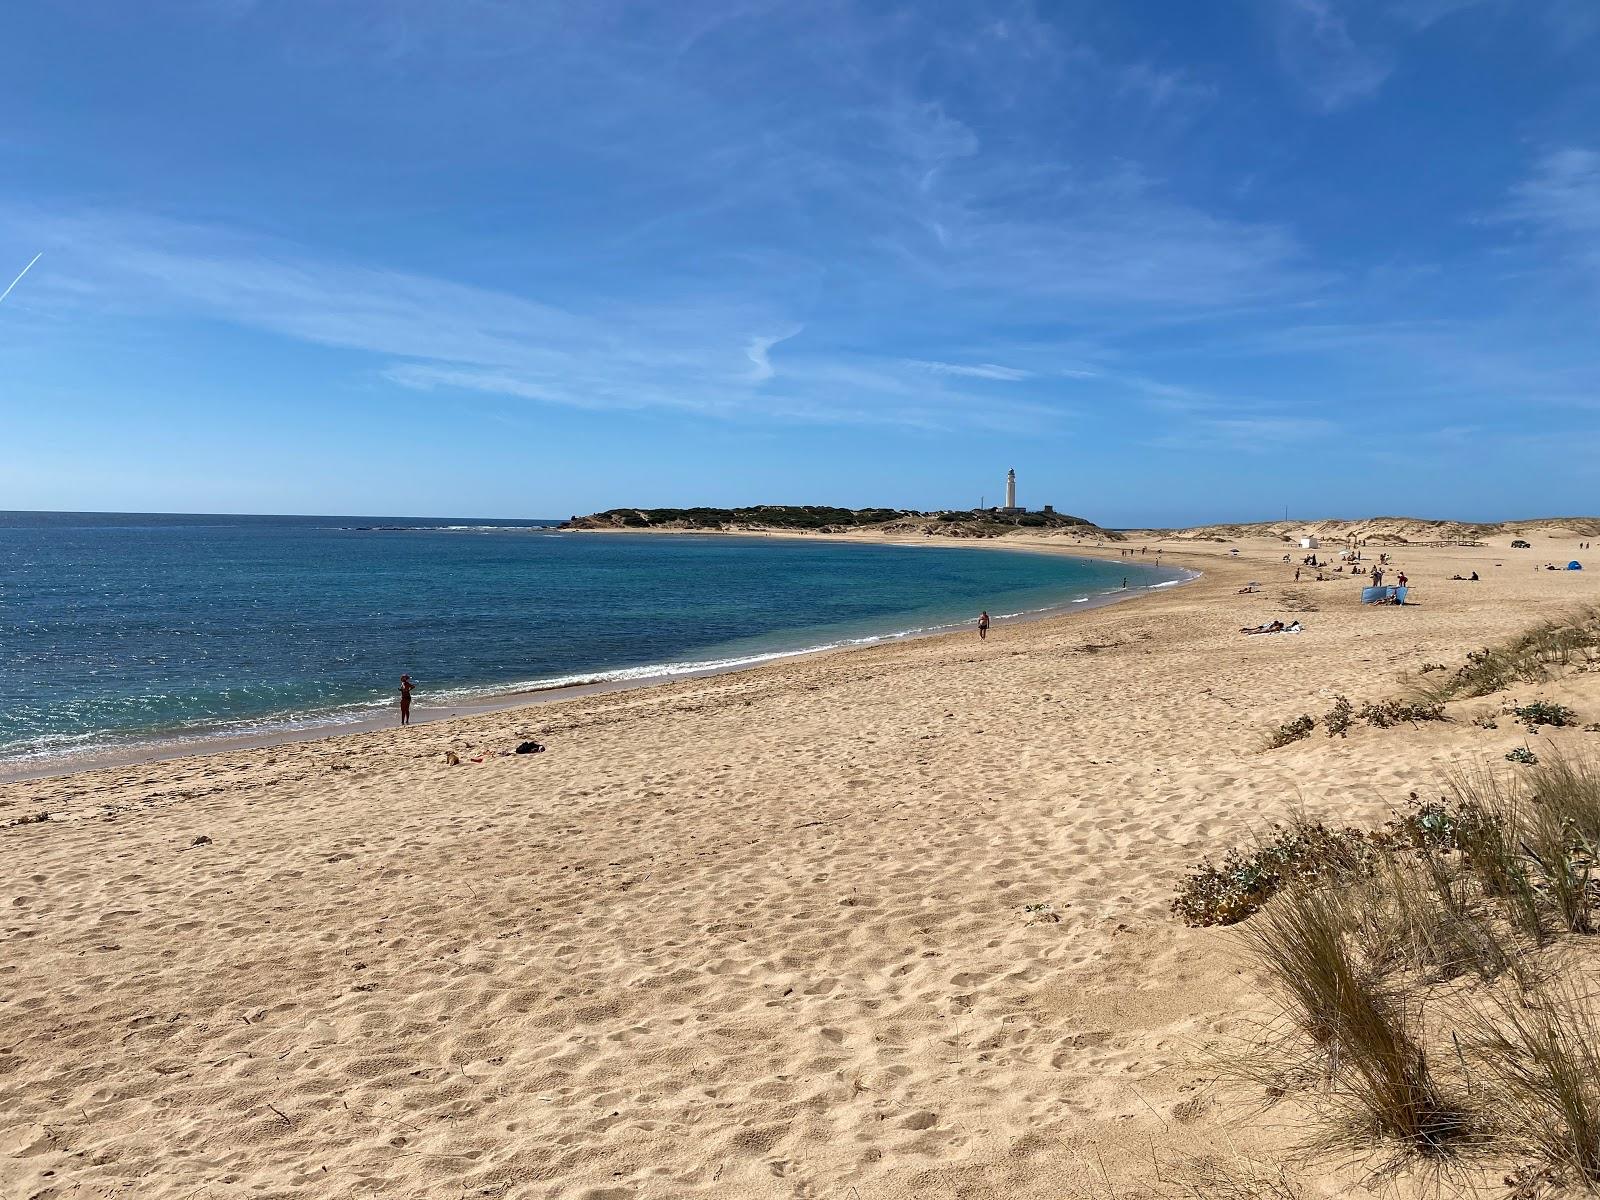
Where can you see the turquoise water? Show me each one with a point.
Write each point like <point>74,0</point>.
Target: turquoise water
<point>122,629</point>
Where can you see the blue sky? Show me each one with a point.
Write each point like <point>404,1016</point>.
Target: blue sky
<point>1175,260</point>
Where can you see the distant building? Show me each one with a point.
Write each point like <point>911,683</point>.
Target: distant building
<point>1010,507</point>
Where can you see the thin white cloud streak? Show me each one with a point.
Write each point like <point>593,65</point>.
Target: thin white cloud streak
<point>1562,196</point>
<point>972,371</point>
<point>1421,14</point>
<point>435,334</point>
<point>1569,23</point>
<point>1321,57</point>
<point>20,274</point>
<point>1560,202</point>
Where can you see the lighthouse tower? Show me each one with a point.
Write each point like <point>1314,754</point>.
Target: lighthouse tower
<point>1011,490</point>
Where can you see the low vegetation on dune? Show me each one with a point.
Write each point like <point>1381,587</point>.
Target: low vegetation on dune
<point>1535,656</point>
<point>1493,888</point>
<point>1531,657</point>
<point>1381,714</point>
<point>1396,531</point>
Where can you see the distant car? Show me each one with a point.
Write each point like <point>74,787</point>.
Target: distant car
<point>1519,544</point>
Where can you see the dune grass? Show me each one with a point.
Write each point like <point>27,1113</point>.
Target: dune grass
<point>1530,657</point>
<point>1354,930</point>
<point>1379,1074</point>
<point>1540,1051</point>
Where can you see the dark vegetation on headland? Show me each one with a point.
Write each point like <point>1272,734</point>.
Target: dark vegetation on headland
<point>818,518</point>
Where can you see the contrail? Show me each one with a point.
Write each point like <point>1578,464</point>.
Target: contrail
<point>20,274</point>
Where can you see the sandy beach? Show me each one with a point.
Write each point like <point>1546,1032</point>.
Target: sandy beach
<point>882,923</point>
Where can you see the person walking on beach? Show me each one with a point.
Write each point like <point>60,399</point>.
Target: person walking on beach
<point>406,687</point>
<point>983,625</point>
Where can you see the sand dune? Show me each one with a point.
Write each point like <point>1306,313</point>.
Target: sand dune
<point>884,923</point>
<point>1554,533</point>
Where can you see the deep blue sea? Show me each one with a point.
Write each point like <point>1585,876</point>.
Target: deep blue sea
<point>127,628</point>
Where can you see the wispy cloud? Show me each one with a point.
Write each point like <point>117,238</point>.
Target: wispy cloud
<point>1250,435</point>
<point>1562,195</point>
<point>429,333</point>
<point>1560,201</point>
<point>1569,23</point>
<point>1420,14</point>
<point>758,352</point>
<point>1331,68</point>
<point>973,370</point>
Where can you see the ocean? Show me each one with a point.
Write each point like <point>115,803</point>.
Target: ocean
<point>118,630</point>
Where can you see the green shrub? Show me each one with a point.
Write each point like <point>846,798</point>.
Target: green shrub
<point>1543,712</point>
<point>1291,731</point>
<point>1522,755</point>
<point>1337,722</point>
<point>1388,713</point>
<point>1301,850</point>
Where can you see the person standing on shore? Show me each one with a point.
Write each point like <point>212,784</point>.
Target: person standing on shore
<point>983,625</point>
<point>406,688</point>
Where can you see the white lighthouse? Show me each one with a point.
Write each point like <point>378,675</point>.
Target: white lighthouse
<point>1011,490</point>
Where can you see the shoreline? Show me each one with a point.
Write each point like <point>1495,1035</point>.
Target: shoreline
<point>170,749</point>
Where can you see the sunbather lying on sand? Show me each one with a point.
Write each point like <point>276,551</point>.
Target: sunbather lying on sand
<point>1273,627</point>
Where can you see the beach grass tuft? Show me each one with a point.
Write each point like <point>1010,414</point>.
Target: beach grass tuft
<point>1539,1050</point>
<point>1530,657</point>
<point>1355,931</point>
<point>1379,1074</point>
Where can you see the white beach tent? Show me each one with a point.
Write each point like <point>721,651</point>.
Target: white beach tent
<point>1308,543</point>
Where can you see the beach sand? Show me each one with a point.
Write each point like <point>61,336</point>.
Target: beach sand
<point>769,934</point>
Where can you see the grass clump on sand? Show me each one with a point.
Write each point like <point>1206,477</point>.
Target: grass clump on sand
<point>1527,658</point>
<point>1231,1177</point>
<point>1569,789</point>
<point>1355,931</point>
<point>1414,913</point>
<point>1378,1073</point>
<point>1540,1050</point>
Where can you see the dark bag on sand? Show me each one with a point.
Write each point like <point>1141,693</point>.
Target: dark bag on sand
<point>530,748</point>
